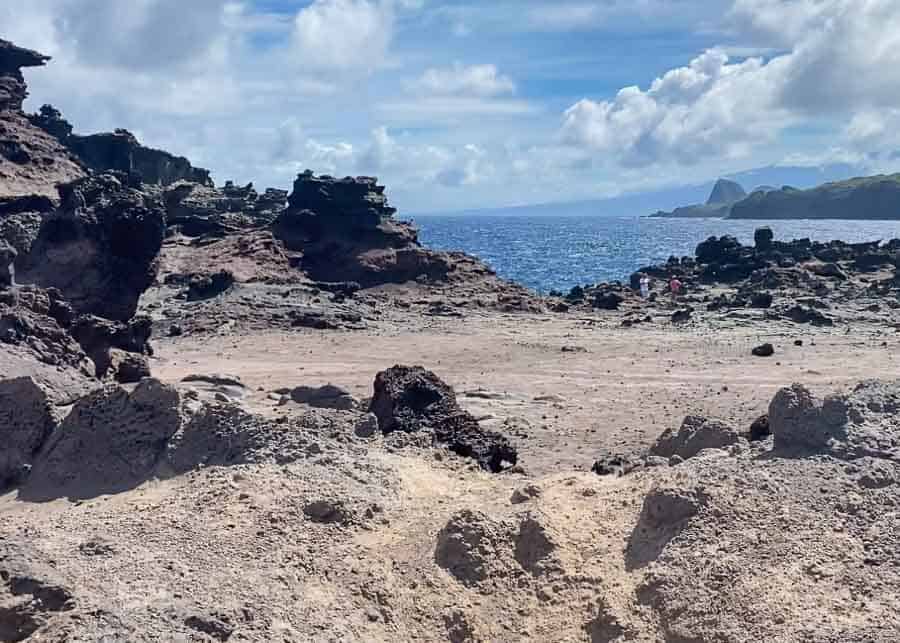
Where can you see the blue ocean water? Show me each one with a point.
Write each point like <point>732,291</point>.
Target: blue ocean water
<point>558,252</point>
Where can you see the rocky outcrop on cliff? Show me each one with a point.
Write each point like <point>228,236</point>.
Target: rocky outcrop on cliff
<point>346,231</point>
<point>724,195</point>
<point>197,210</point>
<point>100,248</point>
<point>119,151</point>
<point>31,161</point>
<point>874,197</point>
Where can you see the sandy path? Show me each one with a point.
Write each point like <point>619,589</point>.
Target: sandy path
<point>618,389</point>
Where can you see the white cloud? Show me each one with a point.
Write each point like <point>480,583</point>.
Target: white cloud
<point>343,34</point>
<point>474,80</point>
<point>844,60</point>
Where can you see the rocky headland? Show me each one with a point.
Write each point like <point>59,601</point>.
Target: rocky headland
<point>863,198</point>
<point>238,415</point>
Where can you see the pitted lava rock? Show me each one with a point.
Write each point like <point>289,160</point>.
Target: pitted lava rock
<point>412,399</point>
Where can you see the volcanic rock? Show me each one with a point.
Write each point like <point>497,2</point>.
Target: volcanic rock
<point>764,350</point>
<point>26,421</point>
<point>100,249</point>
<point>695,434</point>
<point>32,162</point>
<point>99,337</point>
<point>804,315</point>
<point>7,257</point>
<point>326,397</point>
<point>763,238</point>
<point>857,424</point>
<point>412,399</point>
<point>76,462</point>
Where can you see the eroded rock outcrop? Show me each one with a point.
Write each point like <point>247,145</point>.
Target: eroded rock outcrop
<point>861,423</point>
<point>100,249</point>
<point>346,232</point>
<point>31,160</point>
<point>412,399</point>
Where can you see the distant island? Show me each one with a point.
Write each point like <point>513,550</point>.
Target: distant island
<point>872,197</point>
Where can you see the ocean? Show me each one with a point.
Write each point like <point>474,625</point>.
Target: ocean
<point>558,252</point>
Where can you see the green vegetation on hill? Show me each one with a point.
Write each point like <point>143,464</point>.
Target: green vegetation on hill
<point>871,197</point>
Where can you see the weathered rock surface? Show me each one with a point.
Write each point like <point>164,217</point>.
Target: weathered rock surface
<point>26,421</point>
<point>32,162</point>
<point>99,249</point>
<point>863,422</point>
<point>412,399</point>
<point>111,441</point>
<point>695,434</point>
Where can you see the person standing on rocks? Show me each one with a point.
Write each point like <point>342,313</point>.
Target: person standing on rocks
<point>645,286</point>
<point>675,286</point>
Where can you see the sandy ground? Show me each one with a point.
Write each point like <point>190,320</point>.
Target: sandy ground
<point>567,388</point>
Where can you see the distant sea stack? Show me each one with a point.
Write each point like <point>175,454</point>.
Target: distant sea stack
<point>724,195</point>
<point>874,197</point>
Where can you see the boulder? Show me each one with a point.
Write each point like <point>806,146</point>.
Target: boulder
<point>695,434</point>
<point>26,421</point>
<point>804,315</point>
<point>860,423</point>
<point>326,397</point>
<point>763,238</point>
<point>607,300</point>
<point>764,350</point>
<point>412,399</point>
<point>98,337</point>
<point>209,286</point>
<point>111,441</point>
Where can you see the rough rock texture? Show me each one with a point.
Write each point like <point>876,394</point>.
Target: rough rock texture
<point>201,210</point>
<point>26,421</point>
<point>13,90</point>
<point>861,423</point>
<point>120,151</point>
<point>695,434</point>
<point>31,161</point>
<point>346,232</point>
<point>111,441</point>
<point>412,399</point>
<point>99,337</point>
<point>100,249</point>
<point>35,341</point>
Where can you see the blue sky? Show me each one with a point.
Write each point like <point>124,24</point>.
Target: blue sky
<point>464,104</point>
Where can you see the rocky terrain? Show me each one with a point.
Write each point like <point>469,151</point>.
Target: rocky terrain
<point>234,415</point>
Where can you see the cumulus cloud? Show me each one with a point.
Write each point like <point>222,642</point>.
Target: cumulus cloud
<point>843,60</point>
<point>343,34</point>
<point>473,80</point>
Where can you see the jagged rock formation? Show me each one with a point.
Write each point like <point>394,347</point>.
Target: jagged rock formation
<point>198,210</point>
<point>13,90</point>
<point>874,197</point>
<point>121,151</point>
<point>99,248</point>
<point>31,161</point>
<point>346,232</point>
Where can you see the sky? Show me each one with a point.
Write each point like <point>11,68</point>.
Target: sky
<point>461,104</point>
